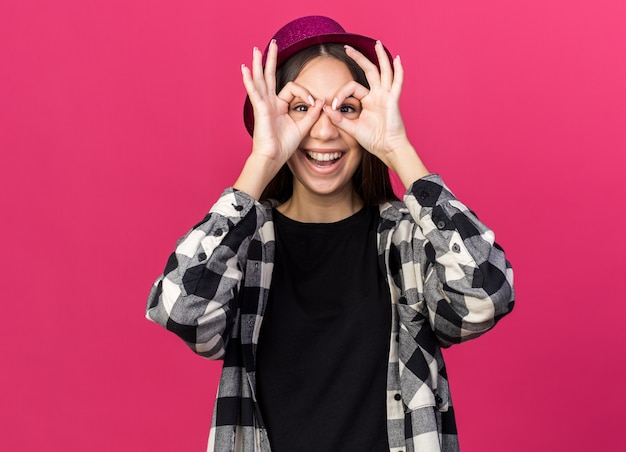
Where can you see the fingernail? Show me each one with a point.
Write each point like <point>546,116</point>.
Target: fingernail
<point>398,57</point>
<point>311,101</point>
<point>335,101</point>
<point>254,50</point>
<point>273,41</point>
<point>347,47</point>
<point>378,42</point>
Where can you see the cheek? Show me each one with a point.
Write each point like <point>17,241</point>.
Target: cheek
<point>290,164</point>
<point>356,150</point>
<point>295,114</point>
<point>295,161</point>
<point>356,157</point>
<point>349,141</point>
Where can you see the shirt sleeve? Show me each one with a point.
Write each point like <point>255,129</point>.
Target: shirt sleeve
<point>467,281</point>
<point>196,296</point>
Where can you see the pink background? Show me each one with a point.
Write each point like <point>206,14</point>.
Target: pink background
<point>120,124</point>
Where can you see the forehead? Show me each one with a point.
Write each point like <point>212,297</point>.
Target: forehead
<point>323,76</point>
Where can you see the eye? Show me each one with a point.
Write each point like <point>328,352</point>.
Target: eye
<point>351,110</point>
<point>302,108</point>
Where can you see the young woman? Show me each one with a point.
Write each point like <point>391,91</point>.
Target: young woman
<point>328,298</point>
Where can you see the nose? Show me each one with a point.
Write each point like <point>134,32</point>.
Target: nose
<point>323,128</point>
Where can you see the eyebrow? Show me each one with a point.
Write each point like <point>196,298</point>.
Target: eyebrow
<point>298,99</point>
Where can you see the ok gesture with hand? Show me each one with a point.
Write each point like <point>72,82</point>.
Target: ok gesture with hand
<point>379,129</point>
<point>276,134</point>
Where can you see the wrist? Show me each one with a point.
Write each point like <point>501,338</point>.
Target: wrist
<point>406,163</point>
<point>256,173</point>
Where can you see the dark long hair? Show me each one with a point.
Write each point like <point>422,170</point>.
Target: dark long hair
<point>371,179</point>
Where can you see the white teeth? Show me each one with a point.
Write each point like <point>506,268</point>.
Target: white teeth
<point>323,157</point>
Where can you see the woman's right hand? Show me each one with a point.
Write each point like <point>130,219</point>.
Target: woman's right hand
<point>276,135</point>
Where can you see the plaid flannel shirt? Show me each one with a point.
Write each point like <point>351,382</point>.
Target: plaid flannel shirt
<point>449,283</point>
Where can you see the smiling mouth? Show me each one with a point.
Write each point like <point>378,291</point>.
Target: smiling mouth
<point>324,158</point>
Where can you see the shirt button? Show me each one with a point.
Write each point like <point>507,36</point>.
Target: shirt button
<point>218,232</point>
<point>424,194</point>
<point>441,224</point>
<point>398,397</point>
<point>456,248</point>
<point>238,208</point>
<point>201,256</point>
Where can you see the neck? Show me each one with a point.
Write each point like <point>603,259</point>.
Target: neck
<point>308,207</point>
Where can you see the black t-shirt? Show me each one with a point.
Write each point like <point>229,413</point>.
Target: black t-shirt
<point>324,344</point>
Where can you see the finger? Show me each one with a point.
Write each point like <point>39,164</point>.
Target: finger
<point>312,114</point>
<point>257,71</point>
<point>371,71</point>
<point>386,74</point>
<point>292,91</point>
<point>258,106</point>
<point>340,121</point>
<point>248,83</point>
<point>398,77</point>
<point>350,89</point>
<point>270,67</point>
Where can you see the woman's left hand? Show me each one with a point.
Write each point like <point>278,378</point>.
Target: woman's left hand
<point>379,127</point>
